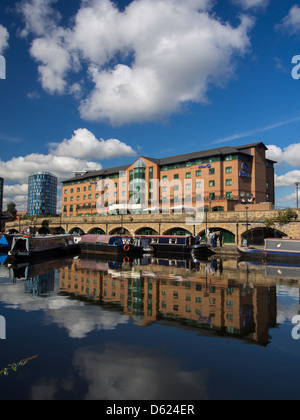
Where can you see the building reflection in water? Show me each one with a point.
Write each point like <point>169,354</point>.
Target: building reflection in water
<point>207,296</point>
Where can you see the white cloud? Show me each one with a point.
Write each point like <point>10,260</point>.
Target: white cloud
<point>288,179</point>
<point>4,36</point>
<point>252,4</point>
<point>39,17</point>
<point>290,154</point>
<point>84,144</point>
<point>78,153</point>
<point>291,23</point>
<point>19,168</point>
<point>144,62</point>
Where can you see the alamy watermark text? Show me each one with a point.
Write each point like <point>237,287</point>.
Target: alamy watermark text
<point>2,67</point>
<point>296,69</point>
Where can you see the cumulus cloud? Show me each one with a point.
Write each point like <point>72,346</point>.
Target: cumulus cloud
<point>81,152</point>
<point>144,63</point>
<point>4,36</point>
<point>290,154</point>
<point>291,23</point>
<point>84,144</point>
<point>288,179</point>
<point>251,4</point>
<point>19,168</point>
<point>39,17</point>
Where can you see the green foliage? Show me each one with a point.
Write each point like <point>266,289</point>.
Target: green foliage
<point>284,217</point>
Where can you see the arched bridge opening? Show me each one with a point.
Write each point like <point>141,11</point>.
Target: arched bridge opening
<point>119,231</point>
<point>146,231</point>
<point>96,231</point>
<point>227,237</point>
<point>258,235</point>
<point>77,231</point>
<point>177,231</point>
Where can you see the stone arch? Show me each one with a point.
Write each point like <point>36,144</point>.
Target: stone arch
<point>13,231</point>
<point>178,231</point>
<point>77,230</point>
<point>228,236</point>
<point>96,231</point>
<point>257,236</point>
<point>119,231</point>
<point>218,208</point>
<point>146,231</point>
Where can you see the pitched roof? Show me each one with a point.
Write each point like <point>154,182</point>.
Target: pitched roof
<point>220,151</point>
<point>102,172</point>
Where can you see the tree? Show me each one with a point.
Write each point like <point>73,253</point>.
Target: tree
<point>11,208</point>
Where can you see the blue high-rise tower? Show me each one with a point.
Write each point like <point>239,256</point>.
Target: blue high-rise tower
<point>42,194</point>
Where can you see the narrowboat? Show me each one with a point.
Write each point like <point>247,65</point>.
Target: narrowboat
<point>6,241</point>
<point>273,250</point>
<point>108,244</point>
<point>28,247</point>
<point>185,246</point>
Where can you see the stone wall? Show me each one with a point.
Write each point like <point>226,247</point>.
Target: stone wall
<point>234,222</point>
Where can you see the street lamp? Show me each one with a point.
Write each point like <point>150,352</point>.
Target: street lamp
<point>246,208</point>
<point>297,193</point>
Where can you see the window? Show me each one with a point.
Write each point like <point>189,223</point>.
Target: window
<point>212,196</point>
<point>165,177</point>
<point>188,186</point>
<point>228,182</point>
<point>212,171</point>
<point>229,195</point>
<point>228,170</point>
<point>198,184</point>
<point>198,173</point>
<point>176,176</point>
<point>211,183</point>
<point>229,157</point>
<point>78,189</point>
<point>188,175</point>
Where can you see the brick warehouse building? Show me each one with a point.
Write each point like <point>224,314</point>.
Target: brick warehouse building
<point>223,178</point>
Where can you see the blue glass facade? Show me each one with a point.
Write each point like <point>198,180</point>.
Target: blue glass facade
<point>42,194</point>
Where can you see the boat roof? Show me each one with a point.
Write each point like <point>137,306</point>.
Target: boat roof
<point>98,238</point>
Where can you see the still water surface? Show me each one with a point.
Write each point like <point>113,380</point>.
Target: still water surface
<point>149,330</point>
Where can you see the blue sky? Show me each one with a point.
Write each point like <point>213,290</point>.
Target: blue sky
<point>95,83</point>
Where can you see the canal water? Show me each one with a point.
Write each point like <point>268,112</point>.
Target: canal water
<point>150,329</point>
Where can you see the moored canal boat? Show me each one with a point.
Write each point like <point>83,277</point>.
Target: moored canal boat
<point>6,241</point>
<point>28,247</point>
<point>185,246</point>
<point>273,250</point>
<point>108,244</point>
